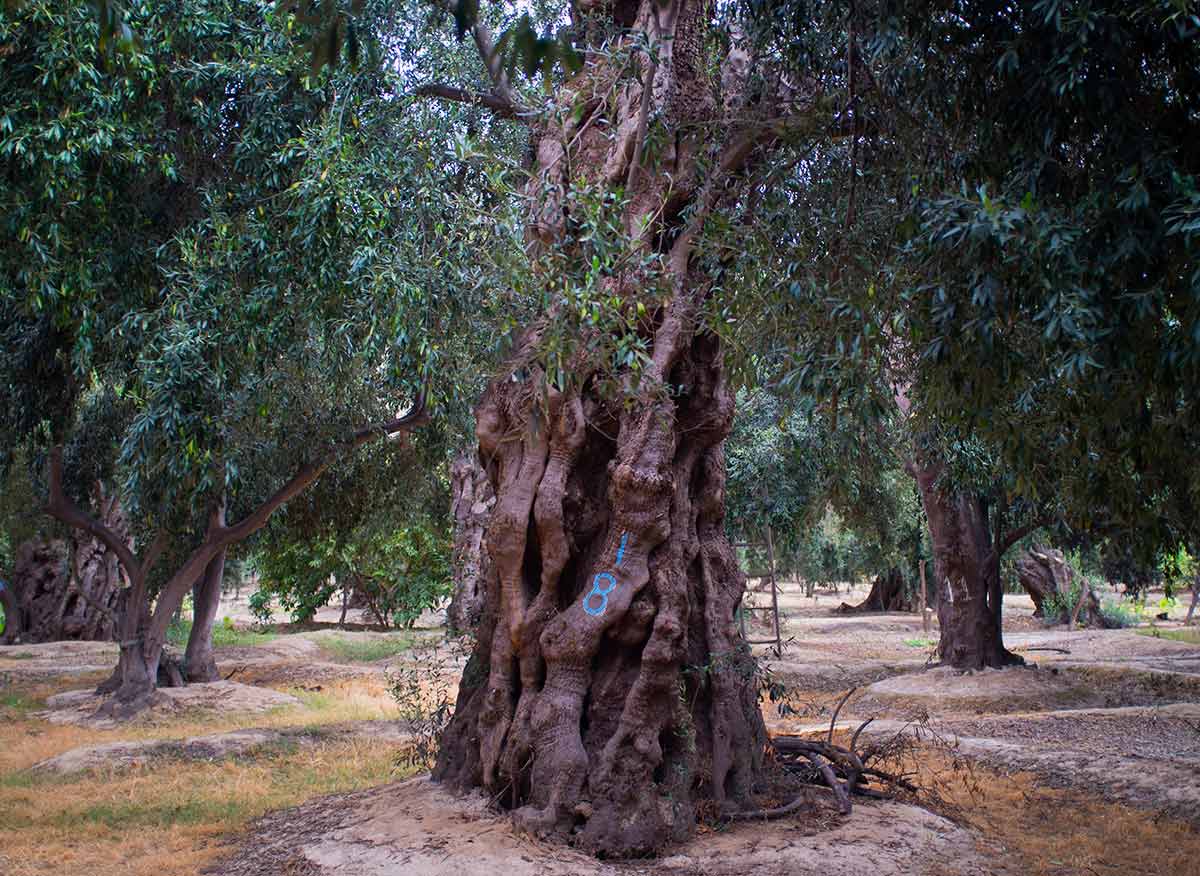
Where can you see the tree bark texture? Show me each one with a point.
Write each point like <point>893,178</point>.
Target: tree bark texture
<point>888,593</point>
<point>610,697</point>
<point>66,590</point>
<point>1044,573</point>
<point>472,500</point>
<point>967,571</point>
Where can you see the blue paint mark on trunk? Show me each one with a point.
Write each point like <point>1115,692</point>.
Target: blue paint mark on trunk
<point>607,577</point>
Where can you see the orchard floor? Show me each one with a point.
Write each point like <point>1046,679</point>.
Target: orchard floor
<point>1087,764</point>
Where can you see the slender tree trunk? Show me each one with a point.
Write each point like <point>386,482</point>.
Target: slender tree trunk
<point>13,621</point>
<point>472,500</point>
<point>199,663</point>
<point>1195,598</point>
<point>967,570</point>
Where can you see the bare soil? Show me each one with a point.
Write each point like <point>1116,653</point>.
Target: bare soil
<point>214,746</point>
<point>1085,762</point>
<point>217,697</point>
<point>418,828</point>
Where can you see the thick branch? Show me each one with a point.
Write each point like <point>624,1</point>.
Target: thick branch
<point>488,54</point>
<point>62,508</point>
<point>502,107</point>
<point>310,471</point>
<point>1019,533</point>
<point>219,536</point>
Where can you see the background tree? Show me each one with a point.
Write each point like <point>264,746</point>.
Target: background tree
<point>388,547</point>
<point>291,311</point>
<point>1029,287</point>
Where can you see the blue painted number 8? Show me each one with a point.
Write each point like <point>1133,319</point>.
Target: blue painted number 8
<point>603,594</point>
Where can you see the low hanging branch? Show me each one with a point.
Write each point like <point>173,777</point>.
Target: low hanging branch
<point>502,107</point>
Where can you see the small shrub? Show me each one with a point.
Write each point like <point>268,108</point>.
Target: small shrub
<point>421,688</point>
<point>1057,607</point>
<point>260,606</point>
<point>1120,614</point>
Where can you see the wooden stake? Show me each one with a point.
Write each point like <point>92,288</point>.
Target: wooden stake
<point>774,592</point>
<point>924,614</point>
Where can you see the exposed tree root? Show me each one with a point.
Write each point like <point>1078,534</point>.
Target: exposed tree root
<point>845,772</point>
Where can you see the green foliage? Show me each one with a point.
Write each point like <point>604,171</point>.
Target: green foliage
<point>1178,569</point>
<point>221,263</point>
<point>1057,607</point>
<point>399,567</point>
<point>838,502</point>
<point>260,606</point>
<point>1120,614</point>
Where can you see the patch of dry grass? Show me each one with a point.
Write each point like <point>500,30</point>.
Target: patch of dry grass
<point>1058,832</point>
<point>25,740</point>
<point>171,819</point>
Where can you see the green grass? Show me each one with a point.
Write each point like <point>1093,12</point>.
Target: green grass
<point>920,643</point>
<point>19,702</point>
<point>1191,635</point>
<point>224,634</point>
<point>135,814</point>
<point>365,650</point>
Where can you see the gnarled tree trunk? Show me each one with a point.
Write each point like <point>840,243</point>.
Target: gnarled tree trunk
<point>66,590</point>
<point>888,593</point>
<point>472,500</point>
<point>967,568</point>
<point>609,696</point>
<point>1044,572</point>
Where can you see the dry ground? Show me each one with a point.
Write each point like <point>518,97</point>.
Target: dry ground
<point>1088,764</point>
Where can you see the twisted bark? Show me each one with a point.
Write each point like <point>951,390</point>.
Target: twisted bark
<point>609,694</point>
<point>1044,573</point>
<point>888,593</point>
<point>472,500</point>
<point>66,590</point>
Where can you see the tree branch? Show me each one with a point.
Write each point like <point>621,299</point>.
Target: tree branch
<point>60,506</point>
<point>1019,533</point>
<point>502,107</point>
<point>482,36</point>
